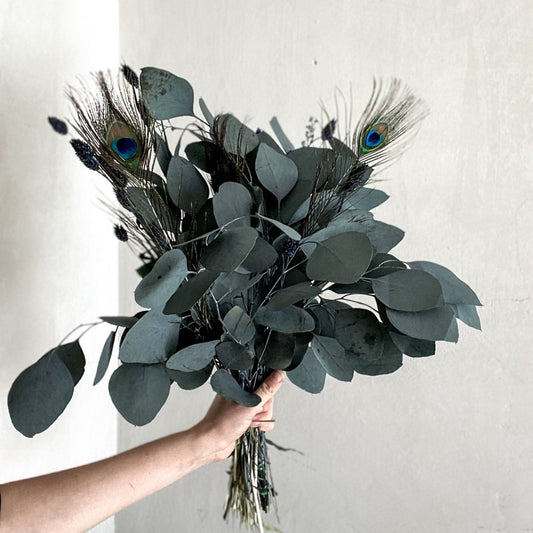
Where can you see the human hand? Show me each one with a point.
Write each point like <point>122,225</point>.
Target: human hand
<point>226,420</point>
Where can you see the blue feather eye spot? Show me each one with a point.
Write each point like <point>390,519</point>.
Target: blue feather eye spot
<point>374,136</point>
<point>125,147</point>
<point>373,139</point>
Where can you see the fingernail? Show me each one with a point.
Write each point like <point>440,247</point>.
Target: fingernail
<point>279,375</point>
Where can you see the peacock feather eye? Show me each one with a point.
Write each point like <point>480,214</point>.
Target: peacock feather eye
<point>124,143</point>
<point>374,136</point>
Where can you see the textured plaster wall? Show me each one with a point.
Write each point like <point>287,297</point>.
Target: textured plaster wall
<point>58,258</point>
<point>445,444</point>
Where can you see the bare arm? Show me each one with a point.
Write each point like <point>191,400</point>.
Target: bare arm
<point>77,499</point>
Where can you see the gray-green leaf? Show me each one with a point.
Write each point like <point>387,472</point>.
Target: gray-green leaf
<point>162,282</point>
<point>232,201</point>
<point>105,357</point>
<point>343,258</point>
<point>139,391</point>
<point>276,172</point>
<point>234,355</point>
<point>226,385</point>
<point>151,340</point>
<point>289,320</point>
<point>432,325</point>
<point>360,332</point>
<point>309,375</point>
<point>40,394</point>
<point>194,357</point>
<point>408,290</point>
<point>332,357</point>
<point>165,95</point>
<point>186,186</point>
<point>293,294</point>
<point>239,325</point>
<point>190,292</point>
<point>229,249</point>
<point>455,291</point>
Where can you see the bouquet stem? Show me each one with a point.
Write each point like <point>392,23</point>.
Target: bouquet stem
<point>250,487</point>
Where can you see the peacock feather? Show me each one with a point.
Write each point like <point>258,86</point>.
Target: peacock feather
<point>118,139</point>
<point>388,122</point>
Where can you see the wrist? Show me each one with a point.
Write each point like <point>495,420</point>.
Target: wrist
<point>209,445</point>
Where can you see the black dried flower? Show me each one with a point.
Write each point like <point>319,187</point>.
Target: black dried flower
<point>122,198</point>
<point>85,153</point>
<point>290,247</point>
<point>58,125</point>
<point>130,76</point>
<point>118,179</point>
<point>120,233</point>
<point>328,130</point>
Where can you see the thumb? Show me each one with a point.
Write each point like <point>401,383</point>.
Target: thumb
<point>270,386</point>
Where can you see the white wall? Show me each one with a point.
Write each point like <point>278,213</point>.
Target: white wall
<point>58,256</point>
<point>445,444</point>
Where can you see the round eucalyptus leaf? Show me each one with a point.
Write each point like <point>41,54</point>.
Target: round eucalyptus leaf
<point>275,350</point>
<point>234,355</point>
<point>237,138</point>
<point>186,186</point>
<point>412,347</point>
<point>324,320</point>
<point>433,325</point>
<point>203,155</point>
<point>262,256</point>
<point>151,340</point>
<point>162,282</point>
<point>276,172</point>
<point>120,321</point>
<point>232,201</point>
<point>289,320</point>
<point>384,237</point>
<point>165,95</point>
<point>308,161</point>
<point>190,292</point>
<point>226,385</point>
<point>332,357</point>
<point>359,332</point>
<point>190,380</point>
<point>383,264</point>
<point>455,290</point>
<point>309,375</point>
<point>40,394</point>
<point>105,357</point>
<point>408,290</point>
<point>293,294</point>
<point>359,287</point>
<point>467,314</point>
<point>390,361</point>
<point>229,249</point>
<point>72,355</point>
<point>366,198</point>
<point>193,358</point>
<point>343,258</point>
<point>139,391</point>
<point>239,325</point>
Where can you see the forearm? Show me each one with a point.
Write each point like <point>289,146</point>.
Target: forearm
<point>78,499</point>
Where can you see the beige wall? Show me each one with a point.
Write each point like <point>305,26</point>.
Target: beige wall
<point>58,257</point>
<point>445,445</point>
